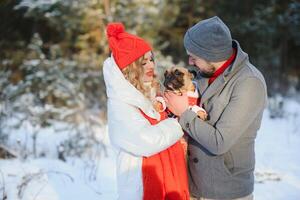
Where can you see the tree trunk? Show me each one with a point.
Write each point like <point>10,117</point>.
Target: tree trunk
<point>283,62</point>
<point>107,8</point>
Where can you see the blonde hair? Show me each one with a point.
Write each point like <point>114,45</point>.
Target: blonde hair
<point>134,74</point>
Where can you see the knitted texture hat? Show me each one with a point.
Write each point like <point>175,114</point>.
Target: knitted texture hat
<point>125,47</point>
<point>209,39</point>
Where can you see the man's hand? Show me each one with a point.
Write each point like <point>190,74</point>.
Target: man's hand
<point>175,103</point>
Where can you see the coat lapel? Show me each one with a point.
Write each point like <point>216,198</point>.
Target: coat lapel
<point>202,84</point>
<point>213,89</point>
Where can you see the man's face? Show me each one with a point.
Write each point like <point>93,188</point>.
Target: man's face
<point>206,69</point>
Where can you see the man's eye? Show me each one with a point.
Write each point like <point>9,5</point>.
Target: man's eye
<point>144,63</point>
<point>151,60</point>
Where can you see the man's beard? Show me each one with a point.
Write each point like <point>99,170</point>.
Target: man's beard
<point>206,74</point>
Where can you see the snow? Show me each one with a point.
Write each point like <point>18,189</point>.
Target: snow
<point>25,181</point>
<point>277,166</point>
<point>51,179</point>
<point>277,156</point>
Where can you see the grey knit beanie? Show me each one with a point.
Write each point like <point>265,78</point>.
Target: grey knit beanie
<point>209,39</point>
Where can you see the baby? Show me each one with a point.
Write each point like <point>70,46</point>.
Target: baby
<point>179,80</point>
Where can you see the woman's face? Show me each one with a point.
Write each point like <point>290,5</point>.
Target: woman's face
<point>148,65</point>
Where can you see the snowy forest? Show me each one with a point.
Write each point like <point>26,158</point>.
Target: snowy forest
<point>53,133</point>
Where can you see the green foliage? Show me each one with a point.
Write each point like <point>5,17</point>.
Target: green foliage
<point>54,74</point>
<point>75,30</point>
<point>70,32</point>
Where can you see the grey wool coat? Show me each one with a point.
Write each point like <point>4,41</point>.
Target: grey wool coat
<point>221,156</point>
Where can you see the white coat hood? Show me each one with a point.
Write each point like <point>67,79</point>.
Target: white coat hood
<point>118,88</point>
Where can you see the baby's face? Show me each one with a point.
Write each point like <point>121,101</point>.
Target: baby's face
<point>177,79</point>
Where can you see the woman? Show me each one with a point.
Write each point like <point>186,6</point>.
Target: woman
<point>150,159</point>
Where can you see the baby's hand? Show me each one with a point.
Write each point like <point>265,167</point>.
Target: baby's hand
<point>159,104</point>
<point>202,114</point>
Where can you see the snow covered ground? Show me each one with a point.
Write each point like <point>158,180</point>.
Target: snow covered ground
<point>277,168</point>
<point>277,156</point>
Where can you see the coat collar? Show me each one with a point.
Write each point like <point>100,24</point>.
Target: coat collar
<point>118,88</point>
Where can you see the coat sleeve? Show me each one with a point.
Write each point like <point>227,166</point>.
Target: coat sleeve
<point>130,131</point>
<point>247,101</point>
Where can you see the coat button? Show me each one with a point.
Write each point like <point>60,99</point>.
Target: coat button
<point>195,160</point>
<point>187,125</point>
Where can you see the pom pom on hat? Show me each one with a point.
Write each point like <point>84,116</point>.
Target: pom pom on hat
<point>114,29</point>
<point>126,48</point>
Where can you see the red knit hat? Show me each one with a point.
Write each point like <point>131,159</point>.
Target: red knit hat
<point>125,47</point>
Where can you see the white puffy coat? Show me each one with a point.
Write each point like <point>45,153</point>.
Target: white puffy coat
<point>131,133</point>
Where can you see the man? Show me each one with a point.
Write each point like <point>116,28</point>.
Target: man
<point>233,92</point>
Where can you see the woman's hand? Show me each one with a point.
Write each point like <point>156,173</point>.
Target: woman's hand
<point>177,104</point>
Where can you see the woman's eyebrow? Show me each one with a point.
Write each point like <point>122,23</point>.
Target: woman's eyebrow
<point>145,59</point>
